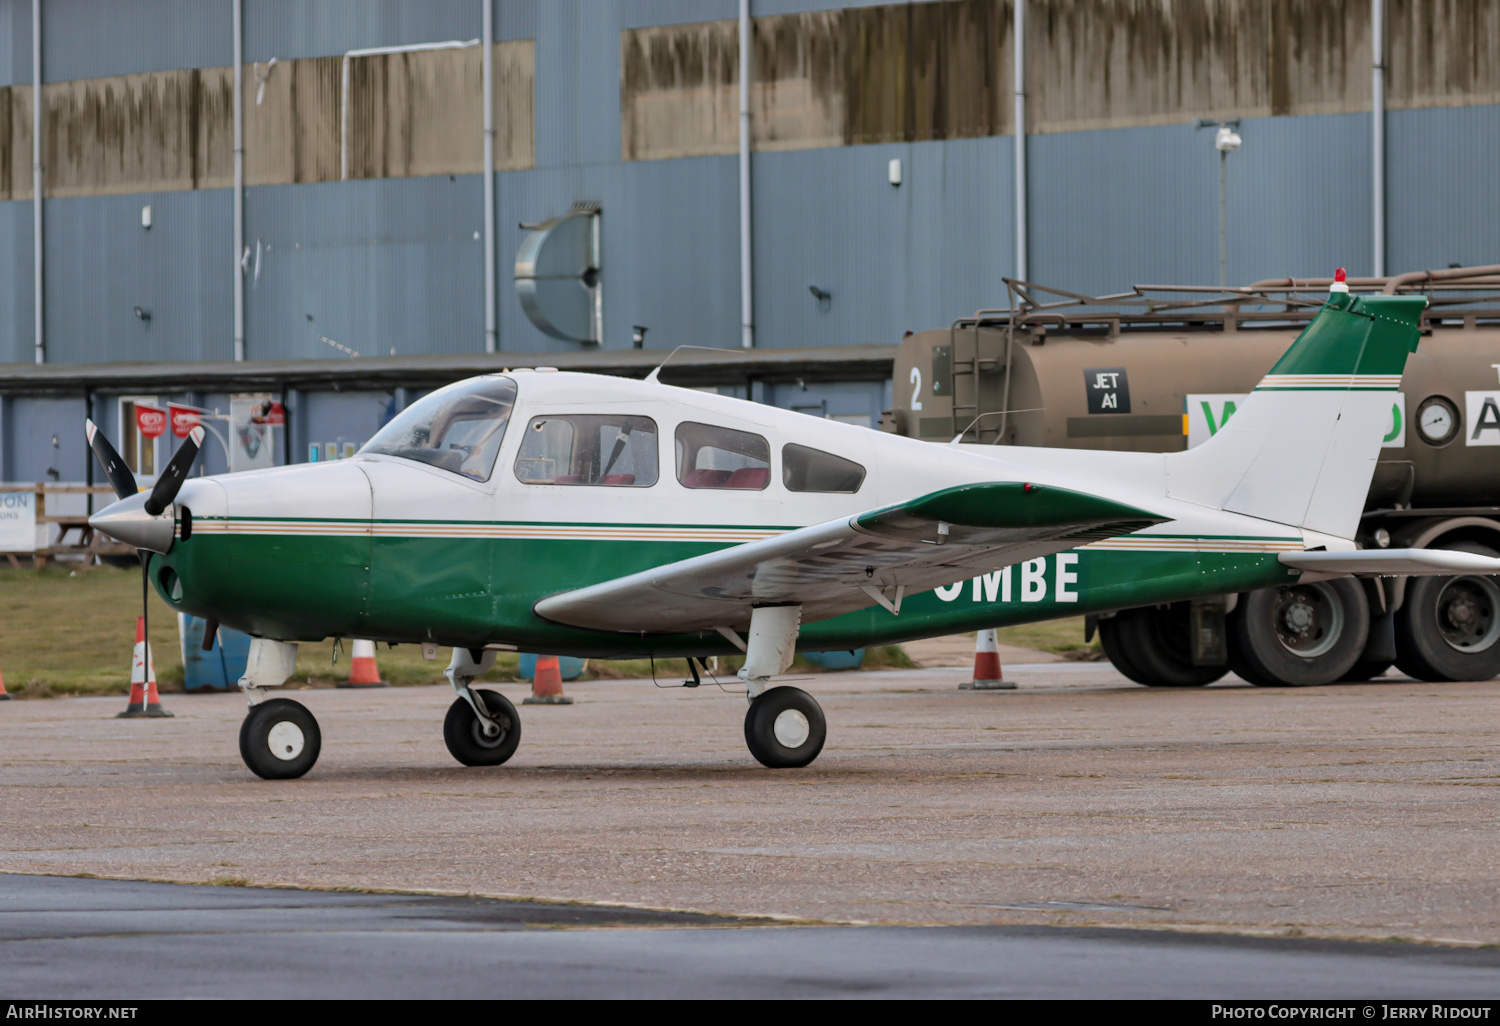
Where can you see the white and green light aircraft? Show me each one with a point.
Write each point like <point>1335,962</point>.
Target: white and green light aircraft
<point>596,516</point>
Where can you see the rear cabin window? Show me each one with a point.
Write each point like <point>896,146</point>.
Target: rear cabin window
<point>720,457</point>
<point>813,470</point>
<point>604,450</point>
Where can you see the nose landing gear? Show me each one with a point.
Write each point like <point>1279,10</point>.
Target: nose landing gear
<point>280,739</point>
<point>476,743</point>
<point>482,727</point>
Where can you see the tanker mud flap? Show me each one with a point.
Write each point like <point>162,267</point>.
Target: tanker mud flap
<point>1210,640</point>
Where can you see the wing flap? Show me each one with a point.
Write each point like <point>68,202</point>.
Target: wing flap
<point>1393,562</point>
<point>832,568</point>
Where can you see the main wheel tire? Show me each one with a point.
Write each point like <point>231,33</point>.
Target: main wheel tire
<point>1159,641</point>
<point>784,728</point>
<point>1448,628</point>
<point>1117,652</point>
<point>1300,634</point>
<point>465,737</point>
<point>280,739</point>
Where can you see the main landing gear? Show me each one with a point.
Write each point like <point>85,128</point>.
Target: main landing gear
<point>784,727</point>
<point>280,739</point>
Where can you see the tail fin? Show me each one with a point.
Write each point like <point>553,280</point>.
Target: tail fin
<point>1302,449</point>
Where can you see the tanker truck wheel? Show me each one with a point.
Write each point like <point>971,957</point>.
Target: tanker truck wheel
<point>1448,628</point>
<point>1115,650</point>
<point>1155,643</point>
<point>1300,634</point>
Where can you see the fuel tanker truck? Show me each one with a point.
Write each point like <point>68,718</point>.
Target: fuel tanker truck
<point>1161,369</point>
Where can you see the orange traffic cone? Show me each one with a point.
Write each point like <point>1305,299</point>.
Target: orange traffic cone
<point>987,673</point>
<point>546,683</point>
<point>4,695</point>
<point>362,670</point>
<point>144,701</point>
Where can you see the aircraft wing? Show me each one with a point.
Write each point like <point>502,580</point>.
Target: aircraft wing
<point>836,567</point>
<point>1393,562</point>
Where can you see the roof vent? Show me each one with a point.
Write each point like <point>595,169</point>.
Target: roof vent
<point>557,275</point>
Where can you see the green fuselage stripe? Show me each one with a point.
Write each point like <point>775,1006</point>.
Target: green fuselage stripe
<point>472,591</point>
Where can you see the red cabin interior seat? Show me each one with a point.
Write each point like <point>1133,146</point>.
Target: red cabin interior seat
<point>749,477</point>
<point>706,479</point>
<point>617,479</point>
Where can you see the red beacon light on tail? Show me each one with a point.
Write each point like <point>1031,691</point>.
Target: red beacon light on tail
<point>1339,282</point>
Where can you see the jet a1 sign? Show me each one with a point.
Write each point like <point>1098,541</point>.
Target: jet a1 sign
<point>1207,413</point>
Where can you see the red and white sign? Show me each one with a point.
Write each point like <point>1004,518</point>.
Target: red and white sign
<point>184,419</point>
<point>151,421</point>
<point>269,413</point>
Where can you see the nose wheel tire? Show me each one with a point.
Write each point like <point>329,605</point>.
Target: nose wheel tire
<point>784,728</point>
<point>465,734</point>
<point>280,739</point>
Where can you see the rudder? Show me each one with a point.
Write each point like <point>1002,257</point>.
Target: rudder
<point>1302,448</point>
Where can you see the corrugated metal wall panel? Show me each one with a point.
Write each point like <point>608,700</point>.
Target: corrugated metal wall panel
<point>669,232</point>
<point>516,19</point>
<point>1299,197</point>
<point>16,302</point>
<point>95,38</point>
<point>1443,175</point>
<point>1111,208</point>
<point>15,41</point>
<point>647,13</point>
<point>30,426</point>
<point>101,264</point>
<point>893,257</point>
<point>341,417</point>
<point>324,28</point>
<point>377,265</point>
<point>577,83</point>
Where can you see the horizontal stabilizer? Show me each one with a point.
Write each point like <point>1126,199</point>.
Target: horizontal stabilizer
<point>1393,562</point>
<point>846,564</point>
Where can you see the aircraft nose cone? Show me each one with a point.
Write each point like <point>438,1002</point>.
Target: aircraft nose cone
<point>128,521</point>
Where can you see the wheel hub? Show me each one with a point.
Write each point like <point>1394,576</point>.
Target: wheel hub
<point>285,740</point>
<point>1300,616</point>
<point>490,740</point>
<point>1309,620</point>
<point>791,728</point>
<point>1467,614</point>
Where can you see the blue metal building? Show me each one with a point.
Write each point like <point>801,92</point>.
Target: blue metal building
<point>882,183</point>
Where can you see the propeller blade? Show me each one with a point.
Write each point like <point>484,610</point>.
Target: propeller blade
<point>174,473</point>
<point>119,475</point>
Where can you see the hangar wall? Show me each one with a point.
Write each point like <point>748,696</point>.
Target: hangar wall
<point>632,103</point>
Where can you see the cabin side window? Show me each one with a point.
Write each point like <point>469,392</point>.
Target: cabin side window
<point>604,450</point>
<point>718,457</point>
<point>458,428</point>
<point>813,470</point>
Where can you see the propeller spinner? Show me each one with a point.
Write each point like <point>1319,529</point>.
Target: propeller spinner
<point>144,521</point>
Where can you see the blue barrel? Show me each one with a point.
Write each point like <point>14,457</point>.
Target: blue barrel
<point>571,668</point>
<point>842,660</point>
<point>218,669</point>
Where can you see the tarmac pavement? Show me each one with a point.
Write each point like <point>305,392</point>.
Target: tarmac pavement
<point>1077,800</point>
<point>71,939</point>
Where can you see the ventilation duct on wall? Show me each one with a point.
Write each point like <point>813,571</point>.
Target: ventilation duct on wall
<point>557,276</point>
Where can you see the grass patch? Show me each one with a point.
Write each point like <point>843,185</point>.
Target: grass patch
<point>71,632</point>
<point>1064,637</point>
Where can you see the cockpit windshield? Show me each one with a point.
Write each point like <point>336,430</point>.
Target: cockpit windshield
<point>458,428</point>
